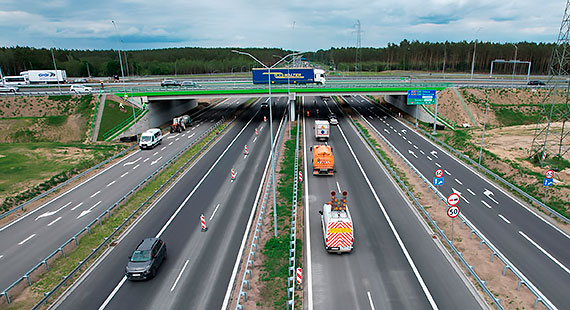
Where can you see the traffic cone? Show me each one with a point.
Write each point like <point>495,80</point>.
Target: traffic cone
<point>245,152</point>
<point>256,132</point>
<point>203,222</point>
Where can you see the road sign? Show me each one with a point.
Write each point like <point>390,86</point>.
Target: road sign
<point>548,182</point>
<point>437,181</point>
<point>549,174</point>
<point>439,173</point>
<point>421,96</point>
<point>453,199</point>
<point>453,211</point>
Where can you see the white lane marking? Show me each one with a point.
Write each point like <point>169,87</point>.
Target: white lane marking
<point>214,213</point>
<point>489,195</point>
<point>429,158</point>
<point>155,161</point>
<point>422,152</point>
<point>192,135</point>
<point>177,139</point>
<point>370,300</point>
<point>83,213</point>
<point>171,137</point>
<point>144,161</point>
<point>309,271</point>
<point>386,130</point>
<point>155,153</point>
<point>447,172</point>
<point>163,148</point>
<point>254,139</point>
<point>1,256</point>
<point>96,193</point>
<point>52,222</point>
<point>403,137</point>
<point>170,143</point>
<point>456,180</point>
<point>115,290</point>
<point>460,195</point>
<point>486,204</point>
<point>410,142</point>
<point>135,167</point>
<point>438,165</point>
<point>179,275</point>
<point>412,153</point>
<point>77,206</point>
<point>545,253</point>
<point>392,227</point>
<point>399,134</point>
<point>471,192</point>
<point>111,183</point>
<point>338,186</point>
<point>24,241</point>
<point>504,219</point>
<point>415,147</point>
<point>124,174</point>
<point>53,212</point>
<point>132,162</point>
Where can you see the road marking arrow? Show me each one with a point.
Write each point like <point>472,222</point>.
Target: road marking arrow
<point>52,212</point>
<point>404,131</point>
<point>459,193</point>
<point>489,193</point>
<point>413,154</point>
<point>386,130</point>
<point>433,153</point>
<point>131,162</point>
<point>155,161</point>
<point>88,210</point>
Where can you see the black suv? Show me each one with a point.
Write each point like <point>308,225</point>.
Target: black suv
<point>535,83</point>
<point>146,259</point>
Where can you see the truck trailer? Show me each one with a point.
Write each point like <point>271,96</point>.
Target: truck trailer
<point>288,75</point>
<point>338,229</point>
<point>45,76</point>
<point>322,130</point>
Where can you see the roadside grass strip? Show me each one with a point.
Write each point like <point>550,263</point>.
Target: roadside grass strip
<point>61,267</point>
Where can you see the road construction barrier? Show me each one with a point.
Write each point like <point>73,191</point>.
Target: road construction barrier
<point>203,222</point>
<point>233,174</point>
<point>245,152</point>
<point>300,176</point>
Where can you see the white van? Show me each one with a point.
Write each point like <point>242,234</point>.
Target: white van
<point>150,138</point>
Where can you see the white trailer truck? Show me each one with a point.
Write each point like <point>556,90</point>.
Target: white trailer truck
<point>322,130</point>
<point>45,76</point>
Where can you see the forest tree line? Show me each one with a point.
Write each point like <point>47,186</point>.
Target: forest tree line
<point>407,55</point>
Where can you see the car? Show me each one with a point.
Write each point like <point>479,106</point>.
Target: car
<point>146,259</point>
<point>189,84</point>
<point>264,105</point>
<point>80,89</point>
<point>535,83</point>
<point>170,83</point>
<point>80,81</point>
<point>150,138</point>
<point>6,89</point>
<point>332,119</point>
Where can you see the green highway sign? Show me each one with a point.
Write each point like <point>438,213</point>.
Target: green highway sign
<point>421,96</point>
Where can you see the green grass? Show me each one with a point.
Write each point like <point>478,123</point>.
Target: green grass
<point>48,163</point>
<point>113,116</point>
<point>63,266</point>
<point>512,117</point>
<point>56,120</point>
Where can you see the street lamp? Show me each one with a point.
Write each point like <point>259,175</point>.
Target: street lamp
<point>123,76</point>
<point>474,49</point>
<point>270,129</point>
<point>484,123</point>
<point>515,63</point>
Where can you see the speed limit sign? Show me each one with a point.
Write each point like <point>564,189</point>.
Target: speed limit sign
<point>453,211</point>
<point>549,174</point>
<point>438,173</point>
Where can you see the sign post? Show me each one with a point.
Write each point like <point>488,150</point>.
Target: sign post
<point>548,181</point>
<point>453,211</point>
<point>420,97</point>
<point>438,180</point>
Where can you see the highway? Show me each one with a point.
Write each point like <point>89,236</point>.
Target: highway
<point>29,239</point>
<point>540,250</point>
<point>395,263</point>
<point>200,264</point>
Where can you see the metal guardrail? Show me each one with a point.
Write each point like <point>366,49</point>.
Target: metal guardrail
<point>124,123</point>
<point>293,239</point>
<point>259,225</point>
<point>27,277</point>
<point>495,252</point>
<point>489,172</point>
<point>42,195</point>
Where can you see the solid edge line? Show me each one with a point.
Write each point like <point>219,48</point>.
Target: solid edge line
<point>115,290</point>
<point>370,300</point>
<point>545,252</point>
<point>394,231</point>
<point>309,258</point>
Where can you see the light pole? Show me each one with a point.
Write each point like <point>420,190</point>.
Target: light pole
<point>474,49</point>
<point>55,67</point>
<point>123,76</point>
<point>484,123</point>
<point>515,63</point>
<point>270,129</point>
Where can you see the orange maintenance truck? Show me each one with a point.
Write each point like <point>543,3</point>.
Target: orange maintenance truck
<point>323,160</point>
<point>337,225</point>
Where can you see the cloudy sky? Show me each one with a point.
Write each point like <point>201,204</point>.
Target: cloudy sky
<point>292,24</point>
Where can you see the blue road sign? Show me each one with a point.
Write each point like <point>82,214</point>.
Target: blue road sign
<point>437,181</point>
<point>421,96</point>
<point>548,182</point>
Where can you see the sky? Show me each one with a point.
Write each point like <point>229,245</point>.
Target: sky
<point>295,24</point>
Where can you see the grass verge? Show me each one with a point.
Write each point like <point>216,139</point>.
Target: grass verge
<point>113,116</point>
<point>63,265</point>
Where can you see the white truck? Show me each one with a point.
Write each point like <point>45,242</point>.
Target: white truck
<point>45,76</point>
<point>322,130</point>
<point>338,229</point>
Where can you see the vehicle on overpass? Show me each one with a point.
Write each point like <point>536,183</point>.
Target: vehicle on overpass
<point>14,80</point>
<point>337,225</point>
<point>170,83</point>
<point>146,259</point>
<point>44,76</point>
<point>323,160</point>
<point>288,75</point>
<point>6,89</point>
<point>80,89</point>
